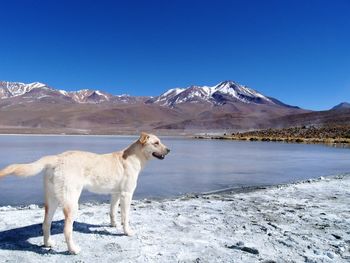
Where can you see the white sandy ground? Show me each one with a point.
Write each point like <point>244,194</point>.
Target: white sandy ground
<point>302,222</point>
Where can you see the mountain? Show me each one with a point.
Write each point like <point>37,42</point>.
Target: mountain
<point>39,108</point>
<point>343,105</point>
<point>220,94</point>
<point>338,116</point>
<point>38,91</point>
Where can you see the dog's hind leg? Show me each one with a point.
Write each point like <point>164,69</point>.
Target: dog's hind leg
<point>50,208</point>
<point>115,197</point>
<point>70,210</point>
<point>51,204</point>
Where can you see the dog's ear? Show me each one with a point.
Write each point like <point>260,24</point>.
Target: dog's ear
<point>143,138</point>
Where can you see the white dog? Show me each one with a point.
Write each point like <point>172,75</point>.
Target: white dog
<point>66,175</point>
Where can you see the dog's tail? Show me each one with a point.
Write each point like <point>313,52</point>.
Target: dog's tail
<point>29,169</point>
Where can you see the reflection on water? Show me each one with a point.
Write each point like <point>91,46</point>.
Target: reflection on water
<point>192,165</point>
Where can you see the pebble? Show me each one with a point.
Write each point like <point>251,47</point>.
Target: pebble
<point>250,250</point>
<point>31,207</point>
<point>336,236</point>
<point>330,255</point>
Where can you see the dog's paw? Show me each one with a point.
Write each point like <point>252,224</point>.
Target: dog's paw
<point>113,224</point>
<point>129,232</point>
<point>49,243</point>
<point>75,250</point>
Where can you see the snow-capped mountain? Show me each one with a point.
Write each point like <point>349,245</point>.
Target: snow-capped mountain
<point>222,93</point>
<point>39,91</point>
<point>14,89</point>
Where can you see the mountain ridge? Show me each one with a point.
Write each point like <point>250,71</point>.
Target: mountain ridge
<point>39,108</point>
<point>37,90</point>
<point>220,94</point>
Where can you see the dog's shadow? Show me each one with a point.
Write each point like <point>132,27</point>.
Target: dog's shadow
<point>17,238</point>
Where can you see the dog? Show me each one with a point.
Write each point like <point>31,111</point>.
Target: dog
<point>66,175</point>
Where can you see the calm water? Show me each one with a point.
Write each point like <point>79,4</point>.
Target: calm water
<point>192,165</point>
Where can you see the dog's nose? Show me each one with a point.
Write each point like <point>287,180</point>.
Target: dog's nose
<point>167,150</point>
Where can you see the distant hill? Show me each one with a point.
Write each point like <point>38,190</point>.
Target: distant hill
<point>333,117</point>
<point>343,105</point>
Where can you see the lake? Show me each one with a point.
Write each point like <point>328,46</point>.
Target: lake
<point>193,166</point>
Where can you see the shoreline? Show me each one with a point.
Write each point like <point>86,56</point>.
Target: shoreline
<point>92,132</point>
<point>306,221</point>
<point>299,134</point>
<point>326,141</point>
<point>329,141</point>
<point>195,195</point>
<point>87,135</point>
<point>271,135</point>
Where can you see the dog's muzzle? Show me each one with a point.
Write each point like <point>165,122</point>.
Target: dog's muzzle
<point>161,156</point>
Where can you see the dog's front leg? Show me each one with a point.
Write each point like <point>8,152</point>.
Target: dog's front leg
<point>125,203</point>
<point>115,197</point>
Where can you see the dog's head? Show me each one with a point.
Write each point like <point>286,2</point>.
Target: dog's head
<point>152,146</point>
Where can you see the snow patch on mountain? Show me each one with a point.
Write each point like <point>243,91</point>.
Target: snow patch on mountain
<point>102,94</point>
<point>169,93</point>
<point>63,92</point>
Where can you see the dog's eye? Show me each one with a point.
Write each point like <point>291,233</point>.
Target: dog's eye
<point>156,143</point>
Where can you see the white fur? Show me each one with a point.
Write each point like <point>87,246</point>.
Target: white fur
<point>68,173</point>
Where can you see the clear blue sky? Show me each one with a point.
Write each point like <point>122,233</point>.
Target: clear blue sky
<point>297,51</point>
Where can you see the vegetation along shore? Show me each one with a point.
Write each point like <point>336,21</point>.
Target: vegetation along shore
<point>304,134</point>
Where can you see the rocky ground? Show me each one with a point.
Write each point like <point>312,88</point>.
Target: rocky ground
<point>303,222</point>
